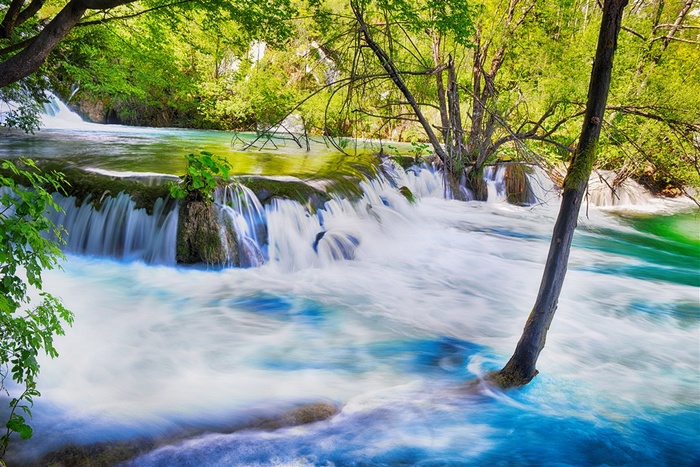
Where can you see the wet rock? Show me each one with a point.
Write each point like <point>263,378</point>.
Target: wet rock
<point>95,455</point>
<point>516,183</point>
<point>198,239</point>
<point>303,415</point>
<point>112,453</point>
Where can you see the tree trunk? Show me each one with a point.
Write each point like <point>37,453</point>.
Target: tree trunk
<point>29,59</point>
<point>520,369</point>
<point>455,113</point>
<point>441,96</point>
<point>393,73</point>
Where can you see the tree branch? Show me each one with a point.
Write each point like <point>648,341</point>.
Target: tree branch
<point>633,32</point>
<point>667,39</point>
<point>132,15</point>
<point>10,19</point>
<point>395,76</point>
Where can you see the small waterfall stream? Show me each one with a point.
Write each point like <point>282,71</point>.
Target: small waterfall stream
<point>282,231</point>
<point>118,229</point>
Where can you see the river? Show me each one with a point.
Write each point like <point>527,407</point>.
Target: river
<point>436,294</point>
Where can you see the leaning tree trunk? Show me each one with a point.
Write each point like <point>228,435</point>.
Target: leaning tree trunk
<point>520,369</point>
<point>395,76</point>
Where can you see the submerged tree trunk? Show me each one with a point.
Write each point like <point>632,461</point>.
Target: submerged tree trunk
<point>520,369</point>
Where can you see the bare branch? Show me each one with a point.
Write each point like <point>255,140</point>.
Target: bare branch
<point>667,39</point>
<point>633,32</point>
<point>390,68</point>
<point>132,15</point>
<point>644,112</point>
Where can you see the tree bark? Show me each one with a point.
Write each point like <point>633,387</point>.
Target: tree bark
<point>441,96</point>
<point>521,369</point>
<point>455,115</point>
<point>8,22</point>
<point>29,59</point>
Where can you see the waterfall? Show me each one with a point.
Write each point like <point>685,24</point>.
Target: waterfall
<point>517,183</point>
<point>603,191</point>
<point>118,229</point>
<point>57,115</point>
<point>288,234</point>
<point>494,176</point>
<point>541,188</point>
<point>284,232</point>
<point>241,210</point>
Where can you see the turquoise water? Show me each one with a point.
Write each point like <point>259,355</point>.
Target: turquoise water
<point>667,245</point>
<point>436,294</point>
<point>121,148</point>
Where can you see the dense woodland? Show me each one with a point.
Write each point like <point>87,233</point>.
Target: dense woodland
<point>492,79</point>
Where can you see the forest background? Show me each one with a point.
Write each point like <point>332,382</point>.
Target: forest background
<point>519,69</point>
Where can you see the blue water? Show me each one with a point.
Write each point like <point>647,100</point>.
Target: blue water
<point>432,296</point>
<point>392,338</point>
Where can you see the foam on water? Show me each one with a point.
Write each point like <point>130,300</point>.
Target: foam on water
<point>436,294</point>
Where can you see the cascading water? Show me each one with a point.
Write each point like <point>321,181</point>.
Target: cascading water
<point>176,366</point>
<point>436,294</point>
<point>58,115</point>
<point>287,233</point>
<point>284,231</point>
<point>240,209</point>
<point>494,176</point>
<point>603,191</point>
<point>118,229</point>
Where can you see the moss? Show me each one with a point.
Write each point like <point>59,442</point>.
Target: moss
<point>96,455</point>
<point>231,248</point>
<point>580,169</point>
<point>475,182</point>
<point>516,183</point>
<point>408,194</point>
<point>302,415</point>
<point>266,189</point>
<point>90,187</point>
<point>508,378</point>
<point>407,161</point>
<point>198,238</point>
<point>112,453</point>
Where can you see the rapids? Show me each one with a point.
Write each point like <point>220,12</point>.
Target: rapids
<point>432,295</point>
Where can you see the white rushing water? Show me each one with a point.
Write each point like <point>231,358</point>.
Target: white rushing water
<point>385,309</point>
<point>435,294</point>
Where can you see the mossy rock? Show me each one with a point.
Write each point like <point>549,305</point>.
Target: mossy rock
<point>406,162</point>
<point>476,183</point>
<point>198,239</point>
<point>96,455</point>
<point>111,453</point>
<point>517,184</point>
<point>302,415</point>
<point>91,187</point>
<point>267,189</point>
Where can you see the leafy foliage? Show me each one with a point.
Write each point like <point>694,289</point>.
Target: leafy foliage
<point>453,18</point>
<point>25,252</point>
<point>189,64</point>
<point>22,102</point>
<point>199,183</point>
